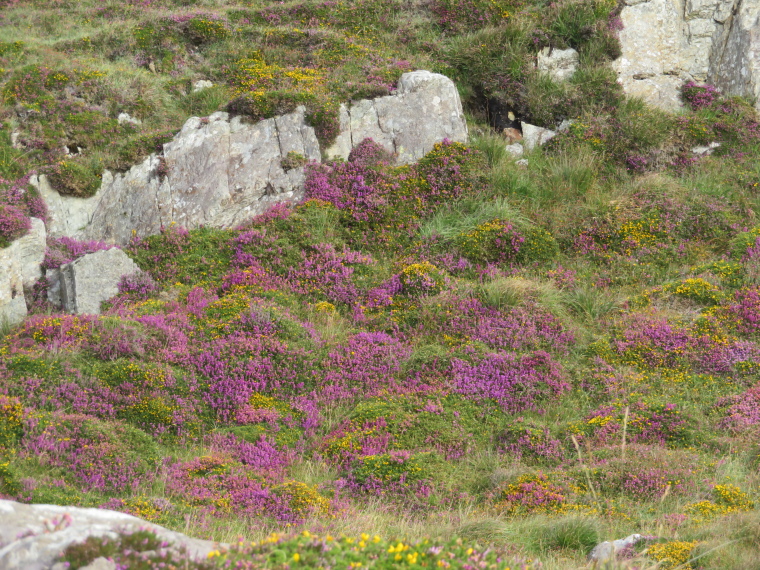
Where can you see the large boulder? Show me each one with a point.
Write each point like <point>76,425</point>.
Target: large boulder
<point>735,67</point>
<point>666,43</point>
<point>424,110</point>
<point>217,171</point>
<point>19,269</point>
<point>93,278</point>
<point>220,171</point>
<point>32,537</point>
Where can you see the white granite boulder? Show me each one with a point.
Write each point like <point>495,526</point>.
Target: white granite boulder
<point>424,110</point>
<point>32,537</point>
<point>19,269</point>
<point>559,64</point>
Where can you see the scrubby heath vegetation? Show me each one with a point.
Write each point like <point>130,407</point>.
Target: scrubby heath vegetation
<point>459,363</point>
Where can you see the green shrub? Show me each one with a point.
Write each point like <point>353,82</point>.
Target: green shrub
<point>203,30</point>
<point>570,533</point>
<point>75,178</point>
<point>539,246</point>
<point>394,467</point>
<point>11,429</point>
<point>744,241</point>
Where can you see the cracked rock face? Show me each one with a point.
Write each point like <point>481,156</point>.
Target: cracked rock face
<point>424,110</point>
<point>33,536</point>
<point>86,282</point>
<point>221,171</point>
<point>667,43</point>
<point>19,269</point>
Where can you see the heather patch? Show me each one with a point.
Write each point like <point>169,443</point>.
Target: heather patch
<point>644,423</point>
<point>90,454</point>
<point>405,349</point>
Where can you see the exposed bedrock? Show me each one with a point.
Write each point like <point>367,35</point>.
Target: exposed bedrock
<point>220,171</point>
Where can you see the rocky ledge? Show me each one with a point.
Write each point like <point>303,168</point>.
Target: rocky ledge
<point>221,170</point>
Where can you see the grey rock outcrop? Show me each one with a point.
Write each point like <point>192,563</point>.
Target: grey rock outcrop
<point>19,269</point>
<point>424,110</point>
<point>666,43</point>
<point>559,64</point>
<point>86,282</point>
<point>217,171</point>
<point>33,536</point>
<point>221,170</point>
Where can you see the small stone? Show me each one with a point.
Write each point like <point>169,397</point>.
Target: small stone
<point>512,135</point>
<point>201,85</point>
<point>126,118</point>
<point>534,136</point>
<point>705,150</point>
<point>516,150</point>
<point>607,551</point>
<point>559,64</point>
<point>522,162</point>
<point>565,125</point>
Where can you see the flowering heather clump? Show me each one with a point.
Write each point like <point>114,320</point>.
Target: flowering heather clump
<point>329,272</point>
<point>370,196</point>
<point>368,153</point>
<point>13,224</point>
<point>368,364</point>
<point>647,423</point>
<point>744,312</point>
<point>519,328</point>
<point>137,286</point>
<point>92,455</point>
<point>699,96</point>
<point>261,456</point>
<point>18,202</point>
<point>63,250</point>
<point>741,412</point>
<point>524,441</point>
<point>531,494</point>
<point>514,383</point>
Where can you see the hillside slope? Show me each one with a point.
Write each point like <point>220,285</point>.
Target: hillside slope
<point>522,359</point>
